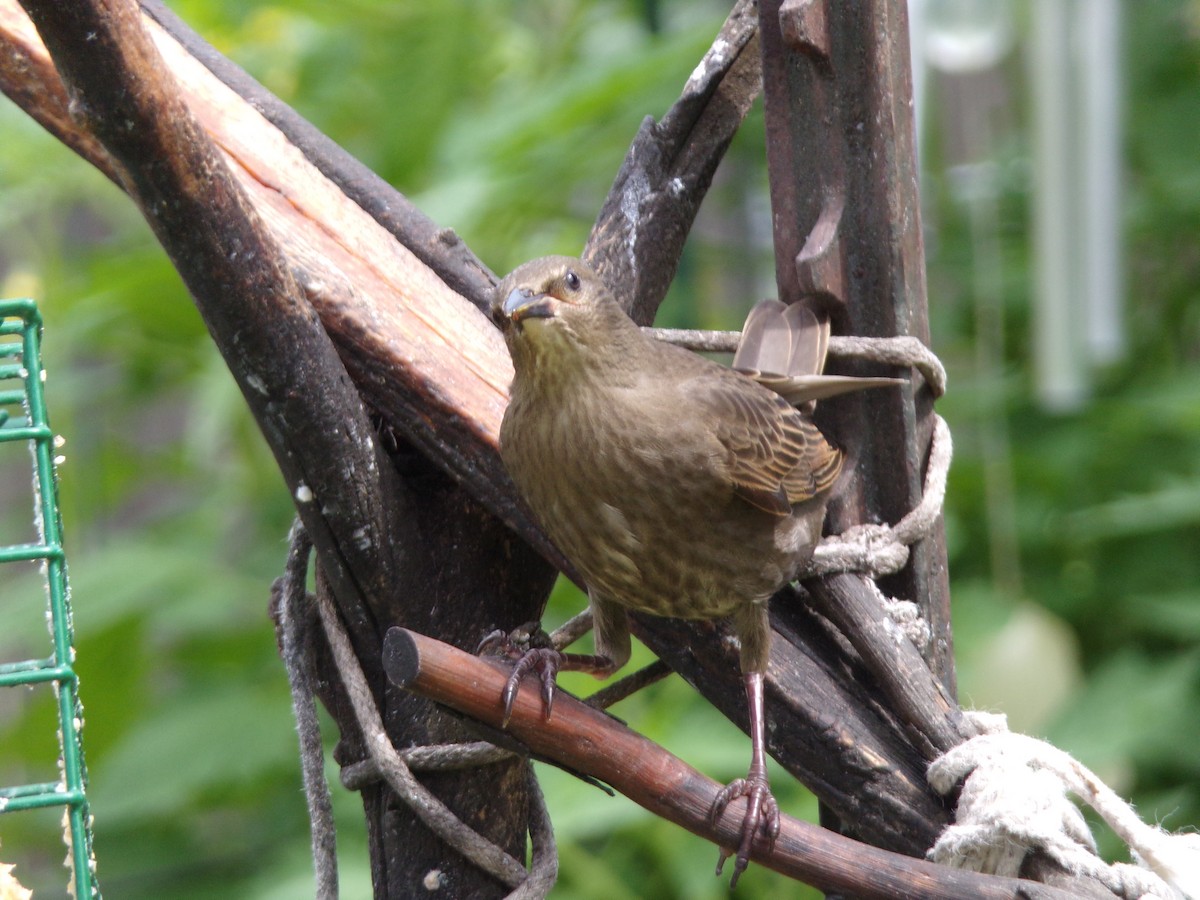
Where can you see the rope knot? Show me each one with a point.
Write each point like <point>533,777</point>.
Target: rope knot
<point>1014,802</point>
<point>877,550</point>
<point>870,549</point>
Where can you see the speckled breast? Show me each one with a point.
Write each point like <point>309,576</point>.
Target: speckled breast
<point>651,528</point>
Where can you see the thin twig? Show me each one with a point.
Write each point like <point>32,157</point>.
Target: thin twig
<point>629,685</point>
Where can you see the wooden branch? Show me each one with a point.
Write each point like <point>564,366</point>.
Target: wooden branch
<point>930,715</point>
<point>639,234</point>
<point>842,162</point>
<point>217,240</point>
<point>589,741</point>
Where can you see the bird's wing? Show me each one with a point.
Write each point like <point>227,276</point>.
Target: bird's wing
<point>776,456</point>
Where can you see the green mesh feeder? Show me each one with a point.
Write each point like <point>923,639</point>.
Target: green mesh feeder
<point>23,419</point>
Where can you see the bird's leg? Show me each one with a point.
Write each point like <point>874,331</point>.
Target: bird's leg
<point>531,649</point>
<point>753,625</point>
<point>761,809</point>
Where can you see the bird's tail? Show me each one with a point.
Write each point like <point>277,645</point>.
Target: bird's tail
<point>783,347</point>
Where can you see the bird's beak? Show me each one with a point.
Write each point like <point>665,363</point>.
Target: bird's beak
<point>521,303</point>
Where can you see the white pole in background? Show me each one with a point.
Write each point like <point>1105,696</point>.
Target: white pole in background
<point>1078,266</point>
<point>1060,369</point>
<point>1103,269</point>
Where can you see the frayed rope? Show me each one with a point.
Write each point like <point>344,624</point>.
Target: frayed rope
<point>1014,801</point>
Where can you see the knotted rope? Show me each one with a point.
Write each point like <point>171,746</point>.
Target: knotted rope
<point>877,550</point>
<point>1014,801</point>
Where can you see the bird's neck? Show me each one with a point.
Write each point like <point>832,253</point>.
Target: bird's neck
<point>561,363</point>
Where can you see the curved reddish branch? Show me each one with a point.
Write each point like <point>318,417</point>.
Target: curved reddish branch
<point>594,743</point>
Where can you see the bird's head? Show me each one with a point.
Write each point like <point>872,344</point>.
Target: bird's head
<point>558,305</point>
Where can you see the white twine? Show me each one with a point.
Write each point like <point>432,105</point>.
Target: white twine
<point>906,615</point>
<point>877,550</point>
<point>1014,801</point>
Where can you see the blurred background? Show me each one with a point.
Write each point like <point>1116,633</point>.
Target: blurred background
<point>1061,191</point>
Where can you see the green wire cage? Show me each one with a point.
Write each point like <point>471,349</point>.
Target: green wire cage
<point>23,420</point>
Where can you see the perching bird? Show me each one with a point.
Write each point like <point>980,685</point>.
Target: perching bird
<point>676,486</point>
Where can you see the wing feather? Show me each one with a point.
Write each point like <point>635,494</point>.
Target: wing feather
<point>776,456</point>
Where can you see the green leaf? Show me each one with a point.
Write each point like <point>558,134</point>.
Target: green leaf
<point>195,749</point>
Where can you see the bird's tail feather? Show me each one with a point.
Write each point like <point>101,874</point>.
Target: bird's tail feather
<point>783,347</point>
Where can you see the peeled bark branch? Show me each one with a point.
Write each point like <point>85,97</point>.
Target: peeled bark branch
<point>169,167</point>
<point>263,243</point>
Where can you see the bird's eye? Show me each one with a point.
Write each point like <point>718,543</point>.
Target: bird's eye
<point>571,280</point>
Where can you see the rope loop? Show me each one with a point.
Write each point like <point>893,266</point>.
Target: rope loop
<point>877,550</point>
<point>384,760</point>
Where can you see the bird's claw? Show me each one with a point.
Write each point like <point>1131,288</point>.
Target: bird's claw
<point>543,660</point>
<point>529,646</point>
<point>495,641</point>
<point>762,812</point>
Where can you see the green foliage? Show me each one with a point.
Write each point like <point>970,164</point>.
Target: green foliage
<point>508,121</point>
<point>1106,499</point>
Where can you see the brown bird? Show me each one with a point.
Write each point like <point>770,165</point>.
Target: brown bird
<point>677,486</point>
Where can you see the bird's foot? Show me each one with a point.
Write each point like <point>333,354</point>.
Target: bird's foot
<point>530,648</point>
<point>533,651</point>
<point>515,643</point>
<point>762,812</point>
